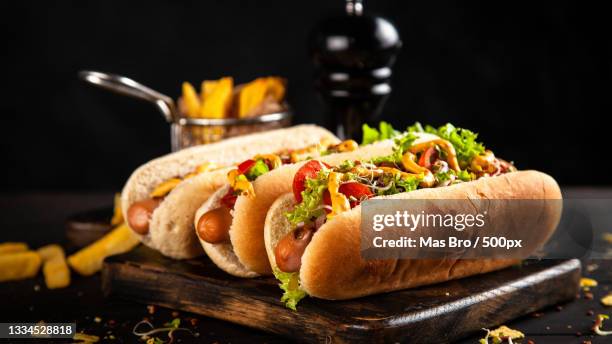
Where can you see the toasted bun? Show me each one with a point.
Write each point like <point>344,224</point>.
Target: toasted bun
<point>221,254</point>
<point>250,213</point>
<point>171,228</point>
<point>332,266</point>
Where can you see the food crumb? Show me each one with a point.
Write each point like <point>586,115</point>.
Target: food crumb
<point>578,334</point>
<point>537,314</point>
<point>151,309</point>
<point>586,283</point>
<point>588,296</point>
<point>559,308</point>
<point>36,287</point>
<point>586,342</point>
<point>447,294</point>
<point>547,327</point>
<point>97,320</point>
<point>175,314</point>
<point>569,326</point>
<point>590,312</point>
<point>193,321</point>
<point>592,267</point>
<point>607,300</point>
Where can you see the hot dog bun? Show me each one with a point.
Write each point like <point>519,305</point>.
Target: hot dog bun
<point>332,267</point>
<point>170,229</point>
<point>222,254</point>
<point>247,228</point>
<point>246,231</point>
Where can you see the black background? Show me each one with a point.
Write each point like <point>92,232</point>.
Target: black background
<point>533,78</point>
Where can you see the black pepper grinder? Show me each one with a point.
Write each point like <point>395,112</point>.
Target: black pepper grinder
<point>353,55</point>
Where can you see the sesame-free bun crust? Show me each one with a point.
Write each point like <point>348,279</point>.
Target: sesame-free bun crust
<point>332,266</point>
<point>171,230</point>
<point>221,254</point>
<point>247,230</point>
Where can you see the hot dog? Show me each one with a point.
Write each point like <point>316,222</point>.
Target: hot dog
<point>161,197</point>
<point>248,200</point>
<point>312,234</point>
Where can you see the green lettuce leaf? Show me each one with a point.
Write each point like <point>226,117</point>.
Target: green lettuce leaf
<point>463,140</point>
<point>290,284</point>
<point>402,144</point>
<point>312,198</point>
<point>384,132</point>
<point>260,167</point>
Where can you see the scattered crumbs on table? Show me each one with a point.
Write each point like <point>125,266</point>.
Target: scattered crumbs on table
<point>607,300</point>
<point>607,237</point>
<point>587,283</point>
<point>592,267</point>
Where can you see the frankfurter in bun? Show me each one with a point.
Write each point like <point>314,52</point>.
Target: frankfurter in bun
<point>230,223</point>
<point>312,234</point>
<point>161,197</point>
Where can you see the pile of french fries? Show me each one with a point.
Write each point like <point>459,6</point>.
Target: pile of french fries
<point>18,261</point>
<point>221,99</point>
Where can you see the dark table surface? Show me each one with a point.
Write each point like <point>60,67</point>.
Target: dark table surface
<point>38,219</point>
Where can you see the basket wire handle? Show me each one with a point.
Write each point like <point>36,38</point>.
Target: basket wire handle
<point>126,86</point>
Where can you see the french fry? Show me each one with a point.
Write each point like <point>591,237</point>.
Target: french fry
<point>206,89</point>
<point>55,269</point>
<point>191,100</point>
<point>56,272</point>
<point>13,247</point>
<point>255,92</point>
<point>217,98</point>
<point>18,266</point>
<point>89,260</point>
<point>117,213</point>
<point>49,252</point>
<point>276,88</point>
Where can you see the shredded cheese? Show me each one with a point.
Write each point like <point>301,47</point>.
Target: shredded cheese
<point>164,188</point>
<point>447,147</point>
<point>240,183</point>
<point>339,202</point>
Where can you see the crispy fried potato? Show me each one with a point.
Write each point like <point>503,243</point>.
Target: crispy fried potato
<point>89,260</point>
<point>253,95</point>
<point>19,265</point>
<point>191,100</point>
<point>49,252</point>
<point>55,268</point>
<point>13,247</point>
<point>217,98</point>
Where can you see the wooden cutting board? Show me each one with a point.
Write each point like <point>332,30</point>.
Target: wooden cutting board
<point>438,313</point>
